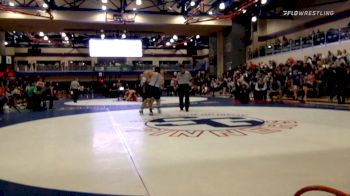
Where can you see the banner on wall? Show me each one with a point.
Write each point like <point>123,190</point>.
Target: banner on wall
<point>8,60</point>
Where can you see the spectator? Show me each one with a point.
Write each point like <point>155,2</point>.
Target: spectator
<point>260,90</point>
<point>275,90</point>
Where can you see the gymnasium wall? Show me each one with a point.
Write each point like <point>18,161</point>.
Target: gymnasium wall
<point>269,27</point>
<point>300,54</point>
<point>82,54</point>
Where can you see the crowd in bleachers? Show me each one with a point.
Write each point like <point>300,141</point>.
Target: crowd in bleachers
<point>315,38</point>
<point>28,93</point>
<point>314,76</point>
<point>55,67</point>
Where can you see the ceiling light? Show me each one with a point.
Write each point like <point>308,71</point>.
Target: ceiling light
<point>171,40</point>
<point>45,5</point>
<point>185,44</point>
<point>11,4</point>
<point>104,1</point>
<point>154,39</point>
<point>63,34</point>
<point>192,3</point>
<point>66,38</point>
<point>254,19</point>
<point>104,7</point>
<point>191,40</point>
<point>41,34</point>
<point>6,43</point>
<point>123,36</point>
<point>222,6</point>
<point>167,43</point>
<point>210,13</point>
<point>269,46</point>
<point>134,9</point>
<point>175,37</point>
<point>46,38</point>
<point>103,36</point>
<point>263,2</point>
<point>198,36</point>
<point>244,11</point>
<point>138,2</point>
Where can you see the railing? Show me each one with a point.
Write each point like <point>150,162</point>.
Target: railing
<point>320,188</point>
<point>97,68</point>
<point>317,39</point>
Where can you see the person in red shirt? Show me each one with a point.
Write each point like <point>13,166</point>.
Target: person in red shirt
<point>2,97</point>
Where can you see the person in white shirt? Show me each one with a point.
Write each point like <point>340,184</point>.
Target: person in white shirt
<point>74,87</point>
<point>155,81</point>
<point>184,79</point>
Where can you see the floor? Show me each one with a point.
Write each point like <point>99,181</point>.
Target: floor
<point>102,146</point>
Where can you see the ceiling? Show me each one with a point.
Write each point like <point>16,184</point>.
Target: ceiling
<point>152,18</point>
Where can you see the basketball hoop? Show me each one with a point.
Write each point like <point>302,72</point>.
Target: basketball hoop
<point>129,17</point>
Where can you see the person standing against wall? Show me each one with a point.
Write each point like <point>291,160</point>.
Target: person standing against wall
<point>184,79</point>
<point>74,88</point>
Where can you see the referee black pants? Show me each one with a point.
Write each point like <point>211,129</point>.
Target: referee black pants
<point>184,91</point>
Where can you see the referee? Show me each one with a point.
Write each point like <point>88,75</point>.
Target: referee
<point>183,79</point>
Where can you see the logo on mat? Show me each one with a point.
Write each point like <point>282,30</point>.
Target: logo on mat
<point>220,125</point>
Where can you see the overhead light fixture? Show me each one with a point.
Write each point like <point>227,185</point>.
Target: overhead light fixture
<point>198,36</point>
<point>167,44</point>
<point>103,36</point>
<point>46,38</point>
<point>66,38</point>
<point>45,5</point>
<point>134,9</point>
<point>269,46</point>
<point>104,1</point>
<point>41,34</point>
<point>244,11</point>
<point>175,37</point>
<point>210,13</point>
<point>123,36</point>
<point>185,44</point>
<point>63,34</point>
<point>193,3</point>
<point>154,39</point>
<point>222,6</point>
<point>104,7</point>
<point>138,2</point>
<point>6,43</point>
<point>171,40</point>
<point>254,19</point>
<point>263,2</point>
<point>191,40</point>
<point>11,4</point>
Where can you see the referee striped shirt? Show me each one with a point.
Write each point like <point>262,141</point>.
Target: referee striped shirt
<point>184,78</point>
